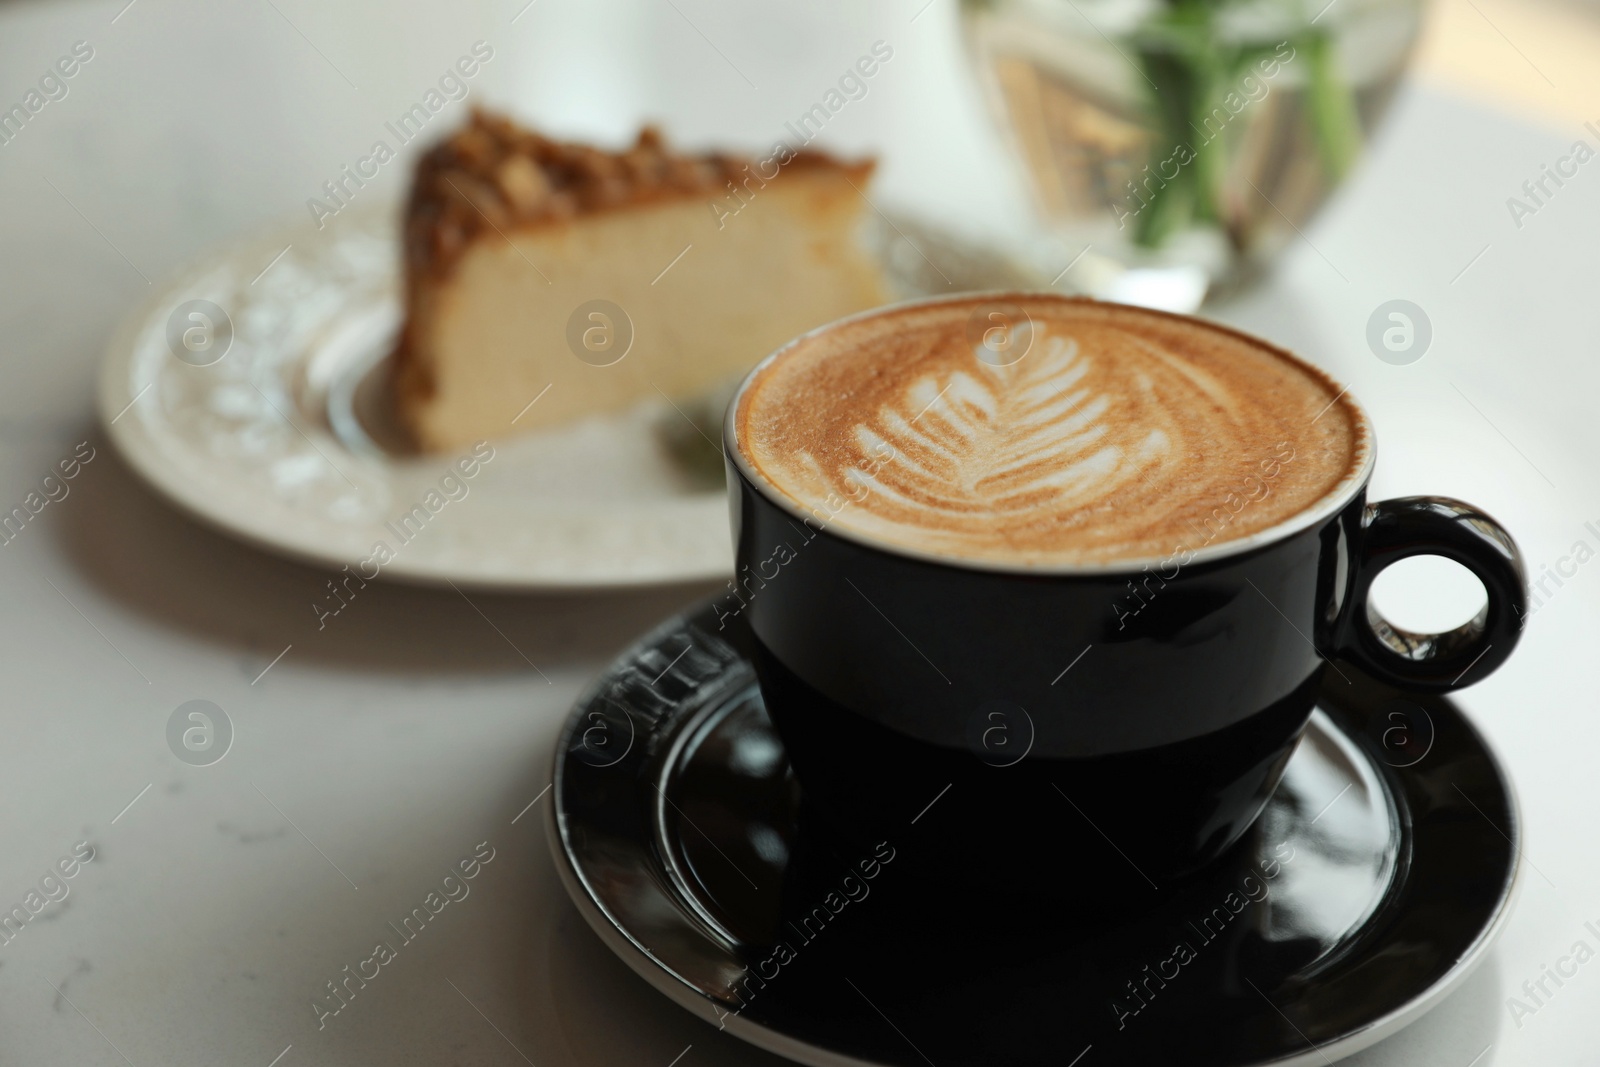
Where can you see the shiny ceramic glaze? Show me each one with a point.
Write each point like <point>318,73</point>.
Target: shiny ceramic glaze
<point>1153,709</point>
<point>1373,882</point>
<point>1151,705</point>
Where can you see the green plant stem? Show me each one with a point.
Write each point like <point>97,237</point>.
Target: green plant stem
<point>1335,126</point>
<point>1173,201</point>
<point>1182,58</point>
<point>1179,52</point>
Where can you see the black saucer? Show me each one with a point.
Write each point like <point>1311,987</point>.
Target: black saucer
<point>1373,884</point>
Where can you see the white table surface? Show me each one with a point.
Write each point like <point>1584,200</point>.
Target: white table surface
<point>413,727</point>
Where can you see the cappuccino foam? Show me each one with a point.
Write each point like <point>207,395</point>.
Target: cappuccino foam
<point>1080,433</point>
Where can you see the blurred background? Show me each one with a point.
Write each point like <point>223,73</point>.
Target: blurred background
<point>193,126</point>
<point>1394,174</point>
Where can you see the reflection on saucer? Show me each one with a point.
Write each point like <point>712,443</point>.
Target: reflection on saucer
<point>1363,893</point>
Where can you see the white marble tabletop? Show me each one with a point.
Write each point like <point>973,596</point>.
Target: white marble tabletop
<point>372,755</point>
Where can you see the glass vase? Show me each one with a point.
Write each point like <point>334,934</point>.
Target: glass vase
<point>1181,144</point>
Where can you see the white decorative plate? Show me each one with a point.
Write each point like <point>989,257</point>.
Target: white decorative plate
<point>248,392</point>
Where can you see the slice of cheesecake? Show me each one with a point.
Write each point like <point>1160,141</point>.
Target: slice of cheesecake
<point>580,281</point>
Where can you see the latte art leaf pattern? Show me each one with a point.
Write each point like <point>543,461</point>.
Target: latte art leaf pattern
<point>992,439</point>
<point>1114,434</point>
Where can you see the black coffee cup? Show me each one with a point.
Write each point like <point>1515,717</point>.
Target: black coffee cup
<point>1028,725</point>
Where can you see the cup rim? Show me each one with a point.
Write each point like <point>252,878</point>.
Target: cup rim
<point>1329,504</point>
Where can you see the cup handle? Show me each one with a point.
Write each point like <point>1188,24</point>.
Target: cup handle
<point>1392,530</point>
